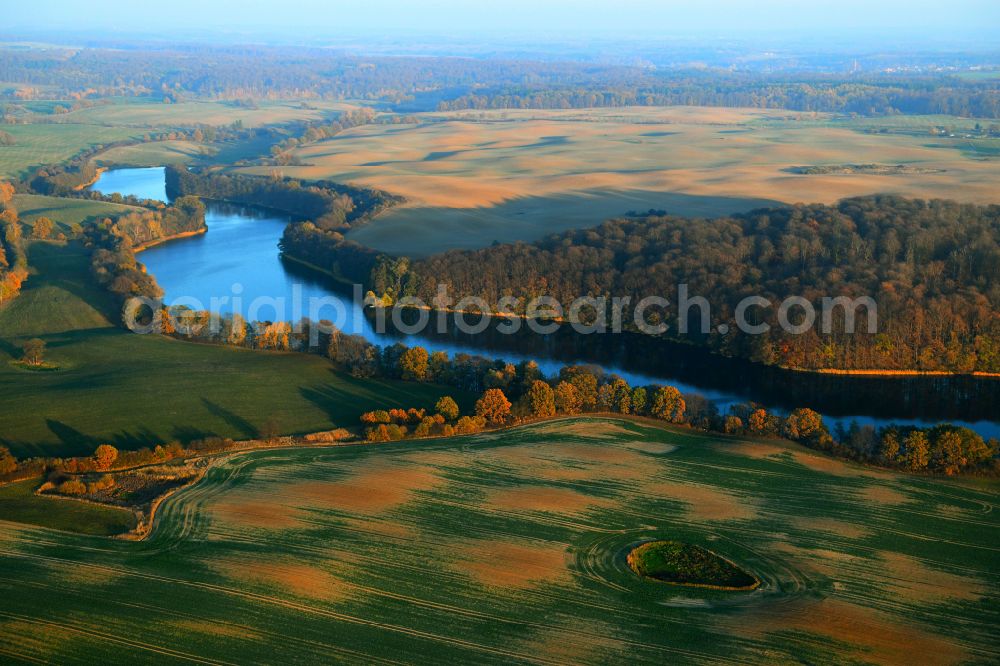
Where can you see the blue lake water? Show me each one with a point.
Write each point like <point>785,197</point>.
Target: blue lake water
<point>236,266</point>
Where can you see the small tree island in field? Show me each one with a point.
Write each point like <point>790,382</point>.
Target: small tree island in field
<point>680,563</point>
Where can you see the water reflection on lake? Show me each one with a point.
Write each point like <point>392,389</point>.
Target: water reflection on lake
<point>237,263</point>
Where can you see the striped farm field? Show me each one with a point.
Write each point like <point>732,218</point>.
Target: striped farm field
<point>472,178</point>
<point>65,211</point>
<point>510,547</point>
<point>37,145</point>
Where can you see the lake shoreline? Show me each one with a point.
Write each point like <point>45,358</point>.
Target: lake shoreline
<point>166,239</point>
<point>870,372</point>
<point>873,396</point>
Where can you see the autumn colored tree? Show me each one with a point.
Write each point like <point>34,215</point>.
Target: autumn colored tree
<point>615,396</point>
<point>105,456</point>
<point>10,284</point>
<point>622,396</point>
<point>803,424</point>
<point>541,399</point>
<point>273,335</point>
<point>732,425</point>
<point>72,487</point>
<point>759,422</point>
<point>377,416</point>
<point>525,373</point>
<point>413,364</point>
<point>948,453</point>
<point>567,398</point>
<point>916,451</point>
<point>439,367</point>
<point>889,447</point>
<point>429,425</point>
<point>639,400</point>
<point>42,228</point>
<point>34,351</point>
<point>501,377</point>
<point>586,387</point>
<point>165,321</point>
<point>605,398</point>
<point>235,330</point>
<point>493,406</point>
<point>377,434</point>
<point>6,192</point>
<point>468,425</point>
<point>8,463</point>
<point>105,482</point>
<point>447,407</point>
<point>668,404</point>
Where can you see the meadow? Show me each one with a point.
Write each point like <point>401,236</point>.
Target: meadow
<point>65,212</point>
<point>20,504</point>
<point>138,112</point>
<point>42,144</point>
<point>62,136</point>
<point>158,153</point>
<point>510,547</point>
<point>472,178</point>
<point>113,386</point>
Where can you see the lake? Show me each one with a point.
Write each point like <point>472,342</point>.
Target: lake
<point>236,266</point>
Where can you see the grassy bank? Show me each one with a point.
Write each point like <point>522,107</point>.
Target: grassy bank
<point>138,390</point>
<point>65,211</point>
<point>20,504</point>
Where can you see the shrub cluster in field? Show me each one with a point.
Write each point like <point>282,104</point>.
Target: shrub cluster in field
<point>75,486</point>
<point>105,458</point>
<point>683,563</point>
<point>393,424</point>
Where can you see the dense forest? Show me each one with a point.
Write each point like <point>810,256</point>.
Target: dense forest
<point>933,268</point>
<point>426,83</point>
<point>330,252</point>
<point>867,96</point>
<point>113,243</point>
<point>331,206</point>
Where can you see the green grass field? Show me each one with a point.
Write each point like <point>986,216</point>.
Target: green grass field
<point>51,143</point>
<point>158,153</point>
<point>510,548</point>
<point>63,136</point>
<point>19,504</point>
<point>64,211</point>
<point>136,390</point>
<point>138,112</point>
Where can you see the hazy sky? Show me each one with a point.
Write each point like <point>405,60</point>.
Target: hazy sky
<point>901,19</point>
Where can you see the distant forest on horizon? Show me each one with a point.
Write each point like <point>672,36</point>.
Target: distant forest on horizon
<point>423,83</point>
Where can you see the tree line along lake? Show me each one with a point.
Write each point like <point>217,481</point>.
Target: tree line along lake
<point>237,265</point>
